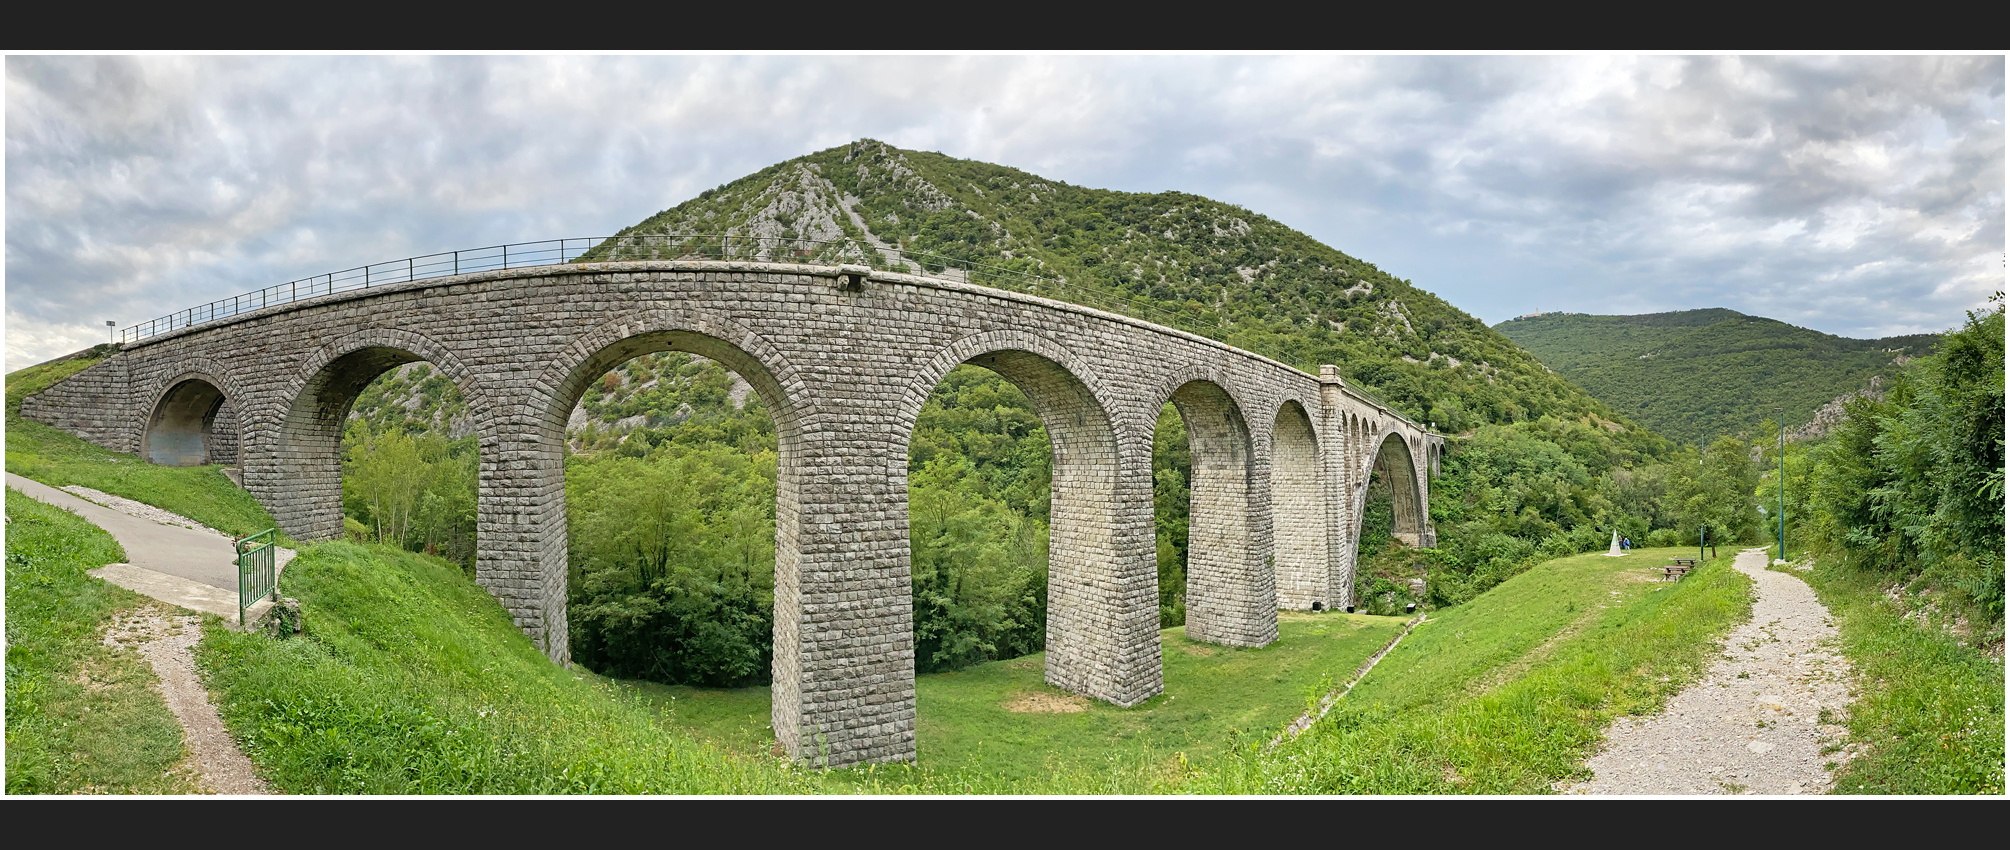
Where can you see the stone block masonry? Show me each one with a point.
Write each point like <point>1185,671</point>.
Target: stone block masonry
<point>1280,457</point>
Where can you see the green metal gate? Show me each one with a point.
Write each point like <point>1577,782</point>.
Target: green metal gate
<point>255,575</point>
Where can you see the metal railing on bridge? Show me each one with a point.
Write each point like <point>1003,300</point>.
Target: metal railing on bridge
<point>656,246</point>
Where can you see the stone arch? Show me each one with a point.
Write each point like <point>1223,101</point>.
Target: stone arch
<point>1392,457</point>
<point>181,429</point>
<point>222,432</point>
<point>1298,510</point>
<point>1102,619</point>
<point>534,482</point>
<point>1231,583</point>
<point>964,350</point>
<point>298,475</point>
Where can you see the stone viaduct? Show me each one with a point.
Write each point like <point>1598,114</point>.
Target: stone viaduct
<point>844,358</point>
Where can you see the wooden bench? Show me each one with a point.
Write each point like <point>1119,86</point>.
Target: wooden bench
<point>1677,570</point>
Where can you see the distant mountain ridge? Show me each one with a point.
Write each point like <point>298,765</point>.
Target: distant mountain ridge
<point>1697,374</point>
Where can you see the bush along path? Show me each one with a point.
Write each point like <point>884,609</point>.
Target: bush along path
<point>1767,719</point>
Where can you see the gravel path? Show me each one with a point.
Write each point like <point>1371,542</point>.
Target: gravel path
<point>138,509</point>
<point>1754,724</point>
<point>167,642</point>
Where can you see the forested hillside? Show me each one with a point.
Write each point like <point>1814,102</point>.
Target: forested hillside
<point>1698,374</point>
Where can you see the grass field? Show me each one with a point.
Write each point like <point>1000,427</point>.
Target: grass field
<point>1928,716</point>
<point>81,718</point>
<point>1001,721</point>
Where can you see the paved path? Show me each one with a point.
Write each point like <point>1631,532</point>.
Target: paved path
<point>181,566</point>
<point>1754,724</point>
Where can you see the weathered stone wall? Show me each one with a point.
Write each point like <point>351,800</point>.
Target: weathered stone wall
<point>222,435</point>
<point>1297,511</point>
<point>845,370</point>
<point>1231,594</point>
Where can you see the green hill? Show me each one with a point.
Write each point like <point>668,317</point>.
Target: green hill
<point>1699,374</point>
<point>1224,270</point>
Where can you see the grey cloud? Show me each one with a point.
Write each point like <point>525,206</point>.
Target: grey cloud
<point>1859,195</point>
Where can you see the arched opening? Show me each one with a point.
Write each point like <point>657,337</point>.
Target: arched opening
<point>1298,513</point>
<point>1231,591</point>
<point>410,463</point>
<point>680,528</point>
<point>1389,574</point>
<point>193,424</point>
<point>303,483</point>
<point>980,477</point>
<point>670,504</point>
<point>1084,651</point>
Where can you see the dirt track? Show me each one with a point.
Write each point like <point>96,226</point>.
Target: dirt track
<point>1756,723</point>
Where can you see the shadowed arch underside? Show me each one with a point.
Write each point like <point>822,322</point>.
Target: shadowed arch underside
<point>1231,589</point>
<point>1395,464</point>
<point>1099,643</point>
<point>309,449</point>
<point>1298,512</point>
<point>192,424</point>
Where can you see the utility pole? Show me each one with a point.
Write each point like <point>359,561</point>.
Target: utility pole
<point>1783,488</point>
<point>111,330</point>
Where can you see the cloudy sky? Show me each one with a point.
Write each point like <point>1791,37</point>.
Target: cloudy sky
<point>1860,196</point>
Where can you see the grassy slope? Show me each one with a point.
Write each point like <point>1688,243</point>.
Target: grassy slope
<point>1213,695</point>
<point>55,458</point>
<point>1509,693</point>
<point>81,718</point>
<point>410,679</point>
<point>1693,374</point>
<point>1928,715</point>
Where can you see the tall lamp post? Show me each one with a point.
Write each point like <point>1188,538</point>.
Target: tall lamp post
<point>1702,464</point>
<point>111,329</point>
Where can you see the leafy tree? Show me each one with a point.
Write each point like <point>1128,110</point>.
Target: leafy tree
<point>1910,486</point>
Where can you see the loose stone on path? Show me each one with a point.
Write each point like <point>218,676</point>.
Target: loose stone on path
<point>1755,723</point>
